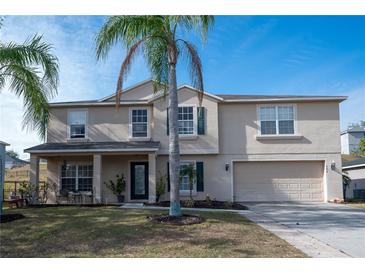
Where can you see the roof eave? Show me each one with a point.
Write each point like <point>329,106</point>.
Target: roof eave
<point>50,151</point>
<point>353,166</point>
<point>308,99</point>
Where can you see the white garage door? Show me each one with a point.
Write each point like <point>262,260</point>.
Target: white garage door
<point>278,181</point>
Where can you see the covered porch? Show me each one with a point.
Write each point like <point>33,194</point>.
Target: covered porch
<point>84,167</point>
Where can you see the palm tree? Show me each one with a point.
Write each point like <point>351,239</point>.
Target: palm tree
<point>30,71</point>
<point>157,38</point>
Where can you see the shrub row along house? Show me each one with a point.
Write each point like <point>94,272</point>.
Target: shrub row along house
<point>244,148</point>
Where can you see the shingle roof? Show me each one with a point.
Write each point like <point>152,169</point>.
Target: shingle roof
<point>94,146</point>
<point>360,161</point>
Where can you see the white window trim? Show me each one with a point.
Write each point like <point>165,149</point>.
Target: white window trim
<point>187,192</point>
<point>130,131</point>
<point>77,164</point>
<point>195,122</point>
<point>295,135</point>
<point>69,125</point>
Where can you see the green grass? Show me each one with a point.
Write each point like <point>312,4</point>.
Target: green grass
<point>357,205</point>
<point>114,232</point>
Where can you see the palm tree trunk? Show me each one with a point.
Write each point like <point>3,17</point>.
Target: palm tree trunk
<point>174,150</point>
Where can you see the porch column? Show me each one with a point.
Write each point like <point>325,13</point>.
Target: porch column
<point>34,177</point>
<point>151,177</point>
<point>97,187</point>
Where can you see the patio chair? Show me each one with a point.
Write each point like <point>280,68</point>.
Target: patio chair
<point>63,195</point>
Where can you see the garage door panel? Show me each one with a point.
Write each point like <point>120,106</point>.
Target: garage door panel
<point>278,181</point>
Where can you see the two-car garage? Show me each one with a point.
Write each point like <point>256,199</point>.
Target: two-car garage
<point>298,181</point>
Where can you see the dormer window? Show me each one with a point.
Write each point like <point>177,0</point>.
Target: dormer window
<point>77,124</point>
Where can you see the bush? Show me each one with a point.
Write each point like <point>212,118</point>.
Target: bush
<point>117,187</point>
<point>228,204</point>
<point>160,187</point>
<point>189,203</point>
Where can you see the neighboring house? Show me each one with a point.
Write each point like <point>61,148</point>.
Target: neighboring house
<point>350,139</point>
<point>245,148</point>
<point>11,162</point>
<point>356,171</point>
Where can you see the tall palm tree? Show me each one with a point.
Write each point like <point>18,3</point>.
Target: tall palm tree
<point>157,37</point>
<point>30,71</point>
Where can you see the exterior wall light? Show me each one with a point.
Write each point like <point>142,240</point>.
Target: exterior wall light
<point>227,166</point>
<point>333,165</point>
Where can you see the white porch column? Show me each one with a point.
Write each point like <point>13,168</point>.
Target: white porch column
<point>34,176</point>
<point>151,177</point>
<point>97,187</point>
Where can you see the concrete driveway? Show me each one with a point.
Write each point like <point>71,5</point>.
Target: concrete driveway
<point>339,226</point>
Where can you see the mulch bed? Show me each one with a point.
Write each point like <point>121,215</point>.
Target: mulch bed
<point>184,219</point>
<point>205,204</point>
<point>5,218</point>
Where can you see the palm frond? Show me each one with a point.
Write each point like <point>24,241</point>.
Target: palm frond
<point>155,51</point>
<point>202,23</point>
<point>194,64</point>
<point>127,30</point>
<point>125,67</point>
<point>33,52</point>
<point>25,82</point>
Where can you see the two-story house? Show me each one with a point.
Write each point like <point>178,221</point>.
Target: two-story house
<point>244,148</point>
<point>350,139</point>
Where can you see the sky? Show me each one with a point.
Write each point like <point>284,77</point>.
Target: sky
<point>271,55</point>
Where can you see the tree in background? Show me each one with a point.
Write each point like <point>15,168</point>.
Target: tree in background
<point>158,38</point>
<point>12,154</point>
<point>355,125</point>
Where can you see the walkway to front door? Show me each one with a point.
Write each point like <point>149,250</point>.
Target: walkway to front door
<point>139,180</point>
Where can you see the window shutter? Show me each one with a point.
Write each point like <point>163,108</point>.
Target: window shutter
<point>167,121</point>
<point>200,176</point>
<point>201,120</point>
<point>168,176</point>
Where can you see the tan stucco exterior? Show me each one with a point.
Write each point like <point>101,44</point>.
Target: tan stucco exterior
<point>232,135</point>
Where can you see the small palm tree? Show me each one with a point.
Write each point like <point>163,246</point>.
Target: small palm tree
<point>190,171</point>
<point>157,37</point>
<point>30,71</point>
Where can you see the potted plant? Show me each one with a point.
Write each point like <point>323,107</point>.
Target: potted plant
<point>117,187</point>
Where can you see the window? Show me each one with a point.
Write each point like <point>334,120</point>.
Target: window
<point>77,177</point>
<point>276,120</point>
<point>77,123</point>
<point>185,182</point>
<point>139,123</point>
<point>186,120</point>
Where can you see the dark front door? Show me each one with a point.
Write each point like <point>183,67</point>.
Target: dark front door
<point>139,180</point>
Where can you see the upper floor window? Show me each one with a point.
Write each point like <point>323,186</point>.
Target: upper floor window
<point>139,122</point>
<point>77,123</point>
<point>276,120</point>
<point>186,120</point>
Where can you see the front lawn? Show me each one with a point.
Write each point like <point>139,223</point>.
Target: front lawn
<point>357,205</point>
<point>115,232</point>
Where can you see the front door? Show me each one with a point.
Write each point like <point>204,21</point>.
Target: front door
<point>139,180</point>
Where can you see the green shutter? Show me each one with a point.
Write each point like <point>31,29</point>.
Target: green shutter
<point>200,176</point>
<point>201,120</point>
<point>167,121</point>
<point>168,176</point>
